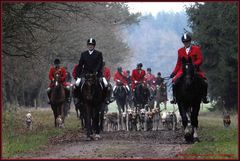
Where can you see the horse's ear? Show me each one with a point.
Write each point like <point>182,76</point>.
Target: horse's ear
<point>190,60</point>
<point>183,60</point>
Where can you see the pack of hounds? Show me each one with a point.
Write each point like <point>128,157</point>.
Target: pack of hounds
<point>141,120</point>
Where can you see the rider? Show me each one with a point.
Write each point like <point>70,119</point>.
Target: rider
<point>120,76</point>
<point>150,78</point>
<point>159,79</point>
<point>137,75</point>
<point>193,51</point>
<point>62,72</point>
<point>91,61</point>
<point>68,75</point>
<point>129,78</point>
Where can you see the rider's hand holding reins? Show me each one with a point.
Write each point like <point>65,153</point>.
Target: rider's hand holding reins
<point>172,75</point>
<point>78,81</point>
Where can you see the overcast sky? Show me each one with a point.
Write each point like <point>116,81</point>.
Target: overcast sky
<point>155,7</point>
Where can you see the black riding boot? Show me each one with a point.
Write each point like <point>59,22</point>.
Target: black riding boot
<point>204,89</point>
<point>49,96</point>
<point>173,101</point>
<point>76,94</point>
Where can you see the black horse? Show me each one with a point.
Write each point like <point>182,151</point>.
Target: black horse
<point>161,95</point>
<point>57,99</point>
<point>141,96</point>
<point>188,97</point>
<point>120,95</point>
<point>151,101</point>
<point>92,95</point>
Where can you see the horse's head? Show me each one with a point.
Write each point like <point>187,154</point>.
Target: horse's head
<point>120,91</point>
<point>57,79</point>
<point>119,83</point>
<point>89,86</point>
<point>90,79</point>
<point>188,70</point>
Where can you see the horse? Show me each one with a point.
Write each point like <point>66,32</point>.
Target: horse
<point>141,96</point>
<point>92,95</point>
<point>120,95</point>
<point>129,99</point>
<point>57,99</point>
<point>188,97</point>
<point>151,101</point>
<point>161,95</point>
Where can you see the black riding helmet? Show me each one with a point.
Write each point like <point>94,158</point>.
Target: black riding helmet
<point>149,69</point>
<point>139,65</point>
<point>56,62</point>
<point>159,73</point>
<point>186,37</point>
<point>119,69</point>
<point>91,41</point>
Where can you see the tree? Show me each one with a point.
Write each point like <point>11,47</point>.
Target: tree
<point>214,28</point>
<point>34,34</point>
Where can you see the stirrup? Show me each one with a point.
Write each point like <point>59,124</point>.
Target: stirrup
<point>107,102</point>
<point>205,100</point>
<point>173,101</point>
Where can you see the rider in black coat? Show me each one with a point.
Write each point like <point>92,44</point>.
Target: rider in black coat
<point>91,61</point>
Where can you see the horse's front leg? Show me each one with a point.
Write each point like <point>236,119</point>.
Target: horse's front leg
<point>194,121</point>
<point>87,119</point>
<point>183,113</point>
<point>95,123</point>
<point>62,112</point>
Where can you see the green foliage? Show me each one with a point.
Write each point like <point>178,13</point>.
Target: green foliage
<point>214,27</point>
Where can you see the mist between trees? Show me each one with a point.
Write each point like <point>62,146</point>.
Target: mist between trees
<point>36,33</point>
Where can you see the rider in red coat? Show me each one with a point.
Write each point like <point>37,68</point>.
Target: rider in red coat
<point>138,75</point>
<point>193,51</point>
<point>107,73</point>
<point>61,70</point>
<point>120,76</point>
<point>74,74</point>
<point>150,78</point>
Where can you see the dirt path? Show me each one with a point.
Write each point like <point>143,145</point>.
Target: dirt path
<point>117,144</point>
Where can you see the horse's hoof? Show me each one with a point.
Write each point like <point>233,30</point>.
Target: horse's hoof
<point>97,137</point>
<point>188,137</point>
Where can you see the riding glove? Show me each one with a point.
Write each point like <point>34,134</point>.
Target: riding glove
<point>172,75</point>
<point>78,81</point>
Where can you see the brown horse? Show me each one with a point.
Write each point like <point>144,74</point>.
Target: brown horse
<point>58,99</point>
